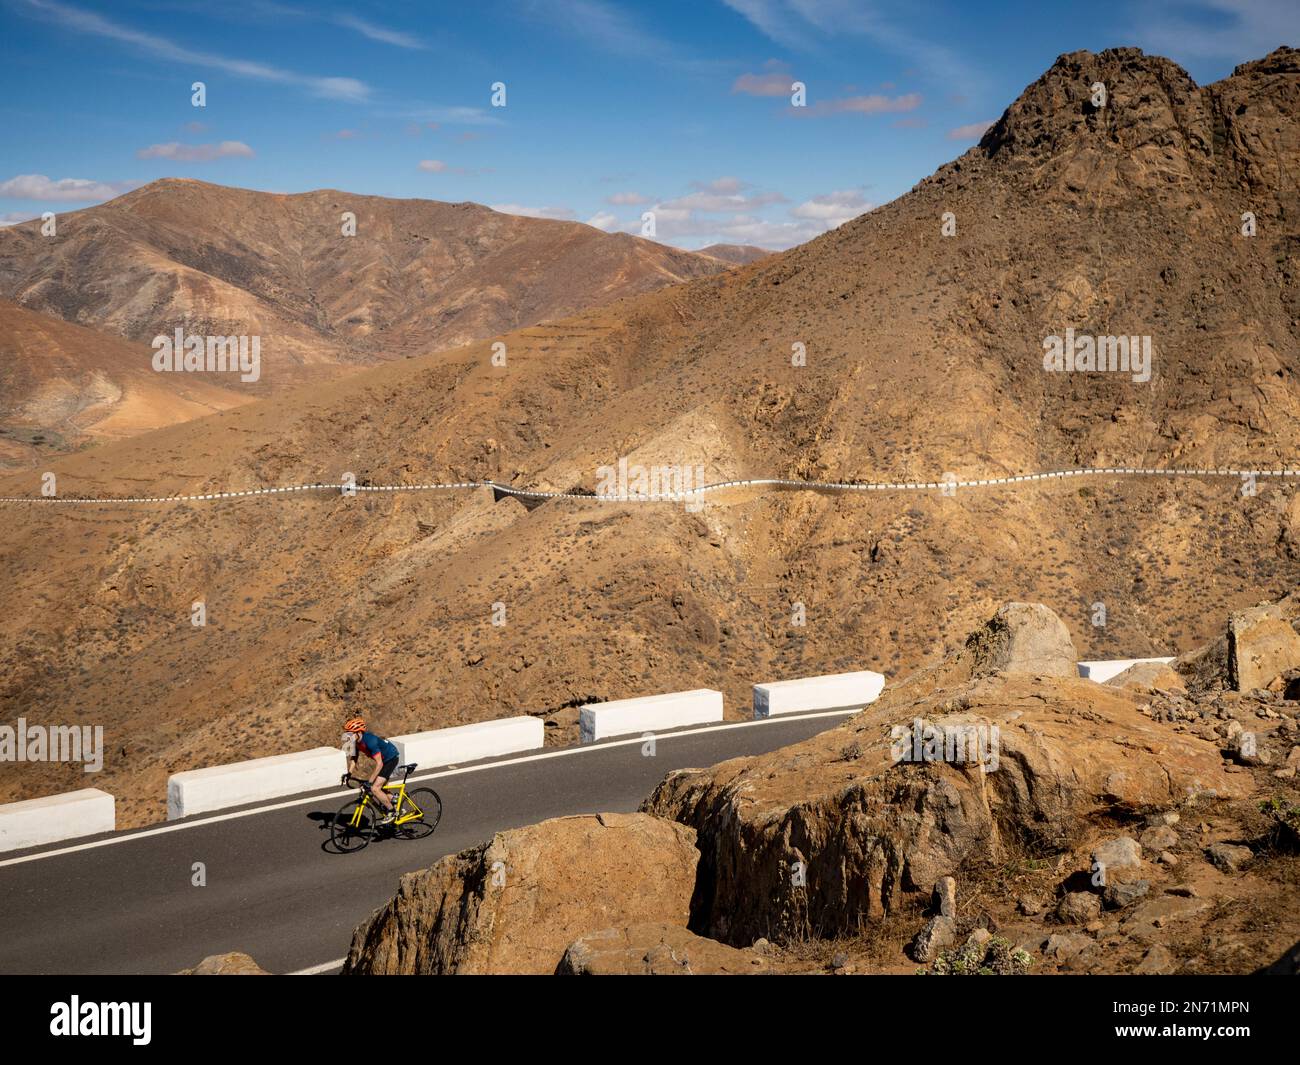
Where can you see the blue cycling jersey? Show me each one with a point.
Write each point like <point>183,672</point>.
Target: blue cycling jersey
<point>369,744</point>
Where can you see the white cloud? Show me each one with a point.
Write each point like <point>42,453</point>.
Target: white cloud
<point>875,104</point>
<point>774,83</point>
<point>14,217</point>
<point>626,199</point>
<point>716,214</point>
<point>973,132</point>
<point>379,33</point>
<point>433,166</point>
<point>82,21</point>
<point>195,153</point>
<point>603,220</point>
<point>833,208</point>
<point>723,195</point>
<point>68,190</point>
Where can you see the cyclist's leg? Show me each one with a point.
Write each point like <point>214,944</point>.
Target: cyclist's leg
<point>377,785</point>
<point>379,794</point>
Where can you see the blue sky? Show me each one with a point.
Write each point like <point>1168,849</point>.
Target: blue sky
<point>613,107</point>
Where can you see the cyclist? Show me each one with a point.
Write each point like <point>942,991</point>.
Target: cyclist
<point>384,755</point>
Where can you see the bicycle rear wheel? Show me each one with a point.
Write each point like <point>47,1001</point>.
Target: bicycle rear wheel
<point>430,806</point>
<point>354,825</point>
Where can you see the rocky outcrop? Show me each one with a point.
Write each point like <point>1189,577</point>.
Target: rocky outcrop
<point>655,950</point>
<point>1263,643</point>
<point>515,904</point>
<point>842,828</point>
<point>232,964</point>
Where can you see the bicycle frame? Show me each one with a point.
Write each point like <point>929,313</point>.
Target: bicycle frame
<point>413,812</point>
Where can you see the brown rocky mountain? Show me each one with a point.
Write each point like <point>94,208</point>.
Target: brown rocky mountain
<point>739,254</point>
<point>924,355</point>
<point>63,386</point>
<point>416,275</point>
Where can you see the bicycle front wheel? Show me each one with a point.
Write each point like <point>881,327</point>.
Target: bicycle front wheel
<point>354,825</point>
<point>426,803</point>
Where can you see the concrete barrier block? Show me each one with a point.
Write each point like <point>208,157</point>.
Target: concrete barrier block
<point>1102,671</point>
<point>466,743</point>
<point>197,791</point>
<point>33,822</point>
<point>835,691</point>
<point>649,713</point>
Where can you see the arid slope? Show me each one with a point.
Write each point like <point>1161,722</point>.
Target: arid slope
<point>924,355</point>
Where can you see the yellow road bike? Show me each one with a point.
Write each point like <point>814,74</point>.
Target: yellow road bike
<point>358,821</point>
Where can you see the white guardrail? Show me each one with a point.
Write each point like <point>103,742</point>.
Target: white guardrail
<point>649,713</point>
<point>835,691</point>
<point>1104,670</point>
<point>467,743</point>
<point>197,791</point>
<point>33,822</point>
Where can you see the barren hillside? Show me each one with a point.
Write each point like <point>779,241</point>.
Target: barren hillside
<point>924,355</point>
<point>410,277</point>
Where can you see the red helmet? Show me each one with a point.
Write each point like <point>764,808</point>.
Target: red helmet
<point>355,724</point>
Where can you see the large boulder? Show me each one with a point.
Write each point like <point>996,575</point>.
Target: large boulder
<point>1022,638</point>
<point>655,950</point>
<point>515,904</point>
<point>849,825</point>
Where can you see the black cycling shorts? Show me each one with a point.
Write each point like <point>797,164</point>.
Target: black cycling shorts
<point>388,768</point>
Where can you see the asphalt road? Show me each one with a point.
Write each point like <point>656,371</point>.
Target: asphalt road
<point>125,903</point>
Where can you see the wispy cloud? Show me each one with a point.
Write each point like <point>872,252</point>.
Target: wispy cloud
<point>69,190</point>
<point>875,104</point>
<point>774,81</point>
<point>195,153</point>
<point>808,25</point>
<point>613,30</point>
<point>776,21</point>
<point>380,33</point>
<point>972,132</point>
<point>82,21</point>
<point>1238,30</point>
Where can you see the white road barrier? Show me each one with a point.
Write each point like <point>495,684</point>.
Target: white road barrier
<point>1102,671</point>
<point>35,821</point>
<point>466,743</point>
<point>199,790</point>
<point>597,721</point>
<point>835,691</point>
